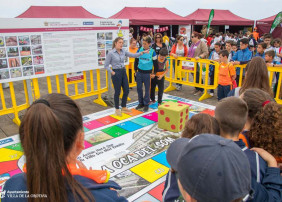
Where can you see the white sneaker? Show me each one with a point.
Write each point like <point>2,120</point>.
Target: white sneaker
<point>178,87</point>
<point>212,94</point>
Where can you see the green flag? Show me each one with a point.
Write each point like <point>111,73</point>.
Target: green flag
<point>210,19</point>
<point>276,22</point>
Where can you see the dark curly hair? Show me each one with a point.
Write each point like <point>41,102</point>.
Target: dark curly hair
<point>200,123</point>
<point>266,121</point>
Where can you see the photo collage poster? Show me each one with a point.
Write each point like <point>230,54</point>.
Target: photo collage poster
<point>105,42</point>
<point>21,56</point>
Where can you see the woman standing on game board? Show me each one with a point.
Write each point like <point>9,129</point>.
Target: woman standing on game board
<point>52,140</point>
<point>116,58</point>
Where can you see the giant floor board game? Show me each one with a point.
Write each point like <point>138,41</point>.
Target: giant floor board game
<point>131,147</point>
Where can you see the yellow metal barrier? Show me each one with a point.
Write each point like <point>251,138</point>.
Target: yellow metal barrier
<point>37,84</point>
<point>272,74</point>
<point>179,75</point>
<point>241,76</point>
<point>13,108</point>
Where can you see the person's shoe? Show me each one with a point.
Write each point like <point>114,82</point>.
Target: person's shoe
<point>118,112</point>
<point>125,110</point>
<point>130,88</point>
<point>146,108</point>
<point>152,102</point>
<point>212,94</point>
<point>140,106</point>
<point>196,92</point>
<point>178,87</point>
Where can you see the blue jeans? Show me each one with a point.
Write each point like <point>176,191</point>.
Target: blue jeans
<point>120,81</point>
<point>146,79</point>
<point>222,91</point>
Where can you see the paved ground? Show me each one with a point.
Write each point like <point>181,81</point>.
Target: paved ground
<point>9,128</point>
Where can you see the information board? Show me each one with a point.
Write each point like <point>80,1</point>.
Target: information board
<point>31,48</point>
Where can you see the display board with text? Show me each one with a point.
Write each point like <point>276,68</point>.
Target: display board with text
<point>31,48</point>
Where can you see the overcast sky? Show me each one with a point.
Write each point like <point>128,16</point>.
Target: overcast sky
<point>252,9</point>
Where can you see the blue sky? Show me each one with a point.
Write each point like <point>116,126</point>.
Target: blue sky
<point>252,9</point>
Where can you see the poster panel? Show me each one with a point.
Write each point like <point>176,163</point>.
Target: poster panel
<point>31,48</point>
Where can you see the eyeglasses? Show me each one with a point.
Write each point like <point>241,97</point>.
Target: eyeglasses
<point>180,39</point>
<point>192,37</point>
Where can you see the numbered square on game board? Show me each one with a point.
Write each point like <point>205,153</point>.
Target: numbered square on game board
<point>129,126</point>
<point>142,121</point>
<point>150,170</point>
<point>91,125</point>
<point>115,131</point>
<point>172,116</point>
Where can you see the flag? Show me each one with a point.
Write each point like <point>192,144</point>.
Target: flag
<point>209,23</point>
<point>277,20</point>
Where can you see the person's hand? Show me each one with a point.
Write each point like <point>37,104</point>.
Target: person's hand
<point>153,76</point>
<point>80,164</point>
<point>160,77</point>
<point>145,51</point>
<point>174,55</point>
<point>113,73</point>
<point>197,58</point>
<point>271,161</point>
<point>268,64</point>
<point>236,63</point>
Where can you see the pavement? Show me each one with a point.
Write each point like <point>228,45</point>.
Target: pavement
<point>9,128</point>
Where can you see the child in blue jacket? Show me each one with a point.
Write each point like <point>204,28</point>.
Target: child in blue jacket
<point>243,56</point>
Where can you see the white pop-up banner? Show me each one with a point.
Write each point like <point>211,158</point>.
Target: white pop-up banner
<point>32,48</point>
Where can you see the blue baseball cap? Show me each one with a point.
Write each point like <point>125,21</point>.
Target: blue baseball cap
<point>211,168</point>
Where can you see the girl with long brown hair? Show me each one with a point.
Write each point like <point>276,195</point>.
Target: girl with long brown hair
<point>264,124</point>
<point>52,137</point>
<point>256,77</point>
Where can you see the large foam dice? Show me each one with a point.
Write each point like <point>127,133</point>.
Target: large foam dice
<point>172,116</point>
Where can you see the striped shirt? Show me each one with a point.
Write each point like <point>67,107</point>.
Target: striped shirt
<point>117,59</point>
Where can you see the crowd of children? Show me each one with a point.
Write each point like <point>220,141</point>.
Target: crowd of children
<point>205,167</point>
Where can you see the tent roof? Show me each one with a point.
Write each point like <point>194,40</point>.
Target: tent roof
<point>57,12</point>
<point>265,21</point>
<point>150,16</point>
<point>221,17</point>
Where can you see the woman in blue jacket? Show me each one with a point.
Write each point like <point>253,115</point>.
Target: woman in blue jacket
<point>52,137</point>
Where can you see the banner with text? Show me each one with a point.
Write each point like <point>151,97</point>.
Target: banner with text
<point>31,48</point>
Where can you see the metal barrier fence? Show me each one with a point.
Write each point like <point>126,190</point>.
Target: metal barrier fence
<point>182,71</point>
<point>75,89</point>
<point>186,70</point>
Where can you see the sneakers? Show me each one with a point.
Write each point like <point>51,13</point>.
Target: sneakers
<point>178,87</point>
<point>118,112</point>
<point>146,108</point>
<point>140,106</point>
<point>125,110</point>
<point>212,94</point>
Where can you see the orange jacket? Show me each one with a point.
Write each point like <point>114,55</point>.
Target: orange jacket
<point>173,50</point>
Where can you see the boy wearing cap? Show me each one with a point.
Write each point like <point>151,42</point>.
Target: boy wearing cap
<point>266,180</point>
<point>203,177</point>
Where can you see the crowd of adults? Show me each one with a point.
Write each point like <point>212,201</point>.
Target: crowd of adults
<point>242,47</point>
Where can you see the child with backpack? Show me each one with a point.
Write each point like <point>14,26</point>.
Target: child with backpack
<point>226,75</point>
<point>159,78</point>
<point>144,67</point>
